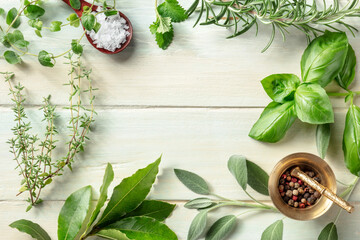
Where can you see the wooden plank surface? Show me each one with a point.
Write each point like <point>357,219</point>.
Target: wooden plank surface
<point>194,103</point>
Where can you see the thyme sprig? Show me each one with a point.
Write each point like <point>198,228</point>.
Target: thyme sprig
<point>34,156</point>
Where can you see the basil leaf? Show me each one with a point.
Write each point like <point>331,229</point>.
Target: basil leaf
<point>324,58</point>
<point>143,228</point>
<point>151,208</point>
<point>351,140</point>
<point>76,47</point>
<point>347,73</point>
<point>129,194</point>
<point>31,228</point>
<point>112,234</point>
<point>237,167</point>
<point>280,87</point>
<point>197,225</point>
<point>312,104</point>
<point>46,59</point>
<point>173,10</point>
<point>221,228</point>
<point>274,231</point>
<point>76,4</point>
<point>55,26</point>
<point>199,203</point>
<point>73,213</point>
<point>10,17</point>
<point>34,11</point>
<point>274,122</point>
<point>88,21</point>
<point>258,179</point>
<point>192,181</point>
<point>322,139</point>
<point>329,232</point>
<point>12,57</point>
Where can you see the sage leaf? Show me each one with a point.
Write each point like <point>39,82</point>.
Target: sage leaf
<point>31,228</point>
<point>129,194</point>
<point>192,181</point>
<point>312,104</point>
<point>76,4</point>
<point>108,178</point>
<point>324,58</point>
<point>351,140</point>
<point>112,234</point>
<point>46,59</point>
<point>143,228</point>
<point>34,11</point>
<point>10,17</point>
<point>221,228</point>
<point>173,10</point>
<point>199,203</point>
<point>274,231</point>
<point>237,167</point>
<point>258,179</point>
<point>73,213</point>
<point>347,73</point>
<point>197,225</point>
<point>323,133</point>
<point>151,208</point>
<point>88,21</point>
<point>281,87</point>
<point>274,122</point>
<point>329,232</point>
<point>12,57</point>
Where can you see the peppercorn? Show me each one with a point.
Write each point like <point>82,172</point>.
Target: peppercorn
<point>296,204</point>
<point>283,176</point>
<point>317,194</point>
<point>291,202</point>
<point>311,191</point>
<point>300,182</point>
<point>302,205</point>
<point>282,181</point>
<point>311,174</point>
<point>288,178</point>
<point>306,195</point>
<point>294,180</point>
<point>300,190</point>
<point>291,184</point>
<point>281,188</point>
<point>287,187</point>
<point>295,192</point>
<point>296,185</point>
<point>282,194</point>
<point>310,200</point>
<point>295,198</point>
<point>286,198</point>
<point>289,193</point>
<point>303,200</point>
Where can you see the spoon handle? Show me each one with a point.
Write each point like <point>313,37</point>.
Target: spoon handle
<point>296,172</point>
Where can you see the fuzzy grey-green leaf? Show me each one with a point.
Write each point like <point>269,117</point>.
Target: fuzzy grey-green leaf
<point>31,228</point>
<point>221,228</point>
<point>274,231</point>
<point>199,203</point>
<point>329,232</point>
<point>257,178</point>
<point>197,226</point>
<point>192,181</point>
<point>237,167</point>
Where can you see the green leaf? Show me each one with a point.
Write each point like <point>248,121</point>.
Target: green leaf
<point>221,228</point>
<point>351,140</point>
<point>112,234</point>
<point>97,27</point>
<point>16,38</point>
<point>46,59</point>
<point>151,208</point>
<point>329,232</point>
<point>76,4</point>
<point>33,229</point>
<point>12,57</point>
<point>34,11</point>
<point>197,226</point>
<point>36,24</point>
<point>323,133</point>
<point>163,40</point>
<point>274,231</point>
<point>88,21</point>
<point>312,104</point>
<point>74,20</point>
<point>76,47</point>
<point>324,58</point>
<point>274,122</point>
<point>347,73</point>
<point>4,40</point>
<point>129,194</point>
<point>38,33</point>
<point>108,178</point>
<point>281,87</point>
<point>73,213</point>
<point>143,228</point>
<point>2,12</point>
<point>110,13</point>
<point>10,17</point>
<point>257,178</point>
<point>173,10</point>
<point>237,167</point>
<point>164,25</point>
<point>199,203</point>
<point>55,26</point>
<point>192,181</point>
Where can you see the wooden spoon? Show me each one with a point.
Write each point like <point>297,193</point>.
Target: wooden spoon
<point>79,12</point>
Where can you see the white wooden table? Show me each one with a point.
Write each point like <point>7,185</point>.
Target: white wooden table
<point>194,103</point>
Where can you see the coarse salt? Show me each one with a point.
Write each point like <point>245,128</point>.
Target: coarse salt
<point>112,33</point>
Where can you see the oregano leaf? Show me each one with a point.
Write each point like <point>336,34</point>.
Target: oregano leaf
<point>10,17</point>
<point>55,26</point>
<point>76,4</point>
<point>46,59</point>
<point>34,11</point>
<point>12,57</point>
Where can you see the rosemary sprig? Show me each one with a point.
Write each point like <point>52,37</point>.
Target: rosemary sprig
<point>307,16</point>
<point>34,157</point>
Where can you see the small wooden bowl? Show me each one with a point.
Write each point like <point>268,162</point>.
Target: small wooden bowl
<point>305,161</point>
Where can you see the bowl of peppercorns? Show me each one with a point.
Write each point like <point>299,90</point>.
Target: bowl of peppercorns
<point>294,197</point>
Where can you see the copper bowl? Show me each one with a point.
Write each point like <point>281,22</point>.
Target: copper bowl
<point>309,162</point>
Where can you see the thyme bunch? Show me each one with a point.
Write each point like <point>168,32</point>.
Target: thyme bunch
<point>33,155</point>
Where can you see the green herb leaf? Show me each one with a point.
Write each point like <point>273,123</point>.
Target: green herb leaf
<point>73,213</point>
<point>55,26</point>
<point>162,39</point>
<point>312,104</point>
<point>88,21</point>
<point>221,228</point>
<point>324,58</point>
<point>31,228</point>
<point>329,233</point>
<point>347,73</point>
<point>280,87</point>
<point>74,20</point>
<point>4,40</point>
<point>322,139</point>
<point>17,39</point>
<point>143,228</point>
<point>76,4</point>
<point>12,57</point>
<point>76,47</point>
<point>151,208</point>
<point>351,140</point>
<point>257,178</point>
<point>38,33</point>
<point>108,178</point>
<point>173,10</point>
<point>274,122</point>
<point>199,203</point>
<point>192,181</point>
<point>164,25</point>
<point>110,13</point>
<point>129,194</point>
<point>10,17</point>
<point>237,167</point>
<point>112,234</point>
<point>36,24</point>
<point>2,12</point>
<point>34,11</point>
<point>46,59</point>
<point>97,27</point>
<point>197,226</point>
<point>274,231</point>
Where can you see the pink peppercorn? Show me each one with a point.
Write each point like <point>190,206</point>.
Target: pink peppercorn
<point>284,176</point>
<point>295,198</point>
<point>294,180</point>
<point>300,182</point>
<point>302,205</point>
